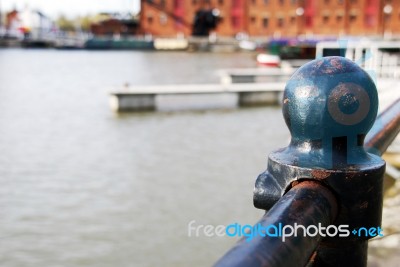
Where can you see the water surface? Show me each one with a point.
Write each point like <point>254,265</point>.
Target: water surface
<point>82,186</point>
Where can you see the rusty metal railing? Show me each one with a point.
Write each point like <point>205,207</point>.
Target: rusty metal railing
<point>385,129</point>
<point>327,175</point>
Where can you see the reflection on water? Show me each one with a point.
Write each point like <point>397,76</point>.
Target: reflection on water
<point>81,186</point>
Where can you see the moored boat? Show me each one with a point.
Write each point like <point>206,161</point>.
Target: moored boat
<point>118,44</point>
<point>268,60</point>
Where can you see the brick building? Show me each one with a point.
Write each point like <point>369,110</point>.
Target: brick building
<point>171,17</point>
<point>351,17</point>
<point>277,18</point>
<point>113,26</point>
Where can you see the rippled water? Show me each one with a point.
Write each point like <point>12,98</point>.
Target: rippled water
<point>81,186</point>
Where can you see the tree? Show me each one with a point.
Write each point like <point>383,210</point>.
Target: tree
<point>65,24</point>
<point>85,22</point>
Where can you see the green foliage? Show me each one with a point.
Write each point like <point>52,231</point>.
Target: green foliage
<point>66,24</point>
<point>85,22</point>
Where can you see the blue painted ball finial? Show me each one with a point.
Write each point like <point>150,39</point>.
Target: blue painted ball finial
<point>329,105</point>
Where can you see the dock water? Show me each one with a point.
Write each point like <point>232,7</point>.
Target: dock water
<point>237,88</point>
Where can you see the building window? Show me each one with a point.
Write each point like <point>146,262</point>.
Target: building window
<point>236,3</point>
<point>281,2</point>
<point>369,20</point>
<point>339,18</point>
<point>265,22</point>
<point>178,22</point>
<point>326,2</point>
<point>220,2</point>
<point>292,20</point>
<point>178,4</point>
<point>353,18</point>
<point>280,22</point>
<point>309,21</point>
<point>194,2</point>
<point>235,22</point>
<point>162,3</point>
<point>150,20</point>
<point>253,20</point>
<point>325,19</point>
<point>266,2</point>
<point>254,2</point>
<point>163,19</point>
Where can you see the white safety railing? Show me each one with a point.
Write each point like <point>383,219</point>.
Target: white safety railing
<point>380,57</point>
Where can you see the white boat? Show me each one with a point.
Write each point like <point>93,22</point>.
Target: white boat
<point>247,45</point>
<point>268,60</point>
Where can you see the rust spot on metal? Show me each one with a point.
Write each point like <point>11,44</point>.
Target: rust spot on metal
<point>294,183</point>
<point>320,174</point>
<point>313,257</point>
<point>336,63</point>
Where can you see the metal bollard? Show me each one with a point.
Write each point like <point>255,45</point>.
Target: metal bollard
<point>329,106</point>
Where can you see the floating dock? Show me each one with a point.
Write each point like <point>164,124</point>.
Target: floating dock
<point>250,75</point>
<point>196,96</point>
<point>237,88</point>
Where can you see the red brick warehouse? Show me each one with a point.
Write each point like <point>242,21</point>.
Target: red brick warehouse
<point>274,17</point>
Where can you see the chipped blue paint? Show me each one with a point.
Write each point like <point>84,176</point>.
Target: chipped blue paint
<point>329,105</point>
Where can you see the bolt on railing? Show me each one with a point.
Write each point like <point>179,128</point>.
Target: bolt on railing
<point>327,175</point>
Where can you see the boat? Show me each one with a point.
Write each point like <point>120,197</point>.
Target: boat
<point>268,60</point>
<point>247,45</point>
<point>171,44</point>
<point>98,43</point>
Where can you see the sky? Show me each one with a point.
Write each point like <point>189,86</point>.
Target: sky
<point>71,8</point>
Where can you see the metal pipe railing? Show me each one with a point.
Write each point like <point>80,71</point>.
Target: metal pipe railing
<point>308,203</point>
<point>385,129</point>
<point>325,176</point>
